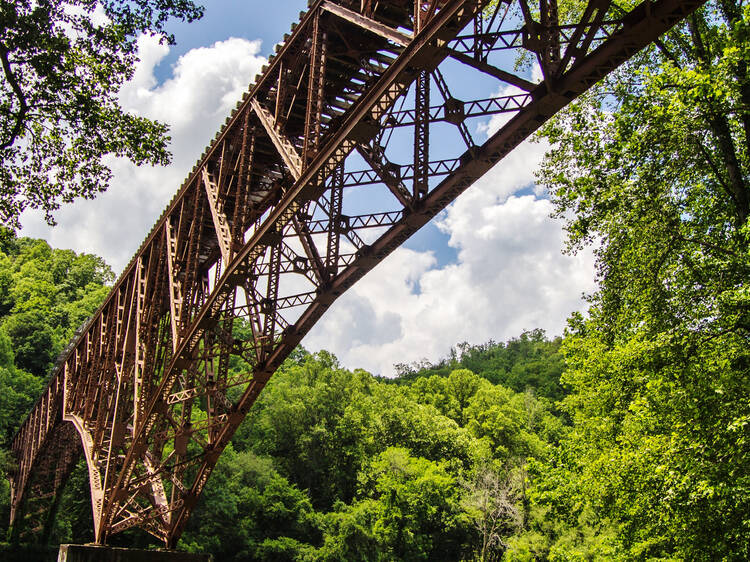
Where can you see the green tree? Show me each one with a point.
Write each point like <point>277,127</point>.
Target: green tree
<point>250,511</point>
<point>652,166</point>
<point>528,361</point>
<point>45,294</point>
<point>33,341</point>
<point>412,511</point>
<point>63,62</point>
<point>19,392</point>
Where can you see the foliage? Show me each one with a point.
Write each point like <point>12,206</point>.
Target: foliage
<point>19,392</point>
<point>653,168</point>
<point>377,469</point>
<point>249,510</point>
<point>63,62</point>
<point>492,505</point>
<point>330,464</point>
<point>528,361</point>
<point>45,294</point>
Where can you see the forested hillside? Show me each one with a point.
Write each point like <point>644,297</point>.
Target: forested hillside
<point>528,449</point>
<point>530,361</point>
<point>45,294</point>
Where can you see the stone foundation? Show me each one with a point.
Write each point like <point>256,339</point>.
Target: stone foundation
<point>94,553</point>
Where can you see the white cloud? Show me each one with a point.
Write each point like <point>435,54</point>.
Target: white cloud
<point>510,276</point>
<point>205,84</point>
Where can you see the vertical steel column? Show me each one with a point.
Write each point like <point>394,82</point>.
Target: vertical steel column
<point>478,32</point>
<point>242,199</point>
<point>315,91</point>
<point>550,35</point>
<point>423,12</point>
<point>191,297</point>
<point>334,218</point>
<point>280,92</point>
<point>417,16</point>
<point>421,134</point>
<point>269,304</point>
<point>367,7</point>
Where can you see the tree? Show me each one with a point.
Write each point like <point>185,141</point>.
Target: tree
<point>528,361</point>
<point>250,511</point>
<point>416,514</point>
<point>492,504</point>
<point>45,294</point>
<point>63,62</point>
<point>653,167</point>
<point>19,391</point>
<point>33,340</point>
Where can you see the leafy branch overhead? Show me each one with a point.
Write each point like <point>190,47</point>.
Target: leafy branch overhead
<point>63,63</point>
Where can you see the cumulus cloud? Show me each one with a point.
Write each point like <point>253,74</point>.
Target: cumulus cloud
<point>205,84</point>
<point>510,276</point>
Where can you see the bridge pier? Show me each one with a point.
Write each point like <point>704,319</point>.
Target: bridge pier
<point>97,553</point>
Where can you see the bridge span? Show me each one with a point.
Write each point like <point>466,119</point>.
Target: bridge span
<point>321,171</point>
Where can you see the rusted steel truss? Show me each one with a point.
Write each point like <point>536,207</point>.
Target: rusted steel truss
<point>265,234</point>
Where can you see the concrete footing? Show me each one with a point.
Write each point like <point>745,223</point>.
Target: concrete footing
<point>94,553</point>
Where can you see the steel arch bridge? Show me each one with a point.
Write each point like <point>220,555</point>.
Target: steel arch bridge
<point>319,173</point>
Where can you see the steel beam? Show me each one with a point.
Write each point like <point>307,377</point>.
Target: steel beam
<point>367,24</point>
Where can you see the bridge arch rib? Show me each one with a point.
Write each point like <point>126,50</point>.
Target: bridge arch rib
<point>264,234</point>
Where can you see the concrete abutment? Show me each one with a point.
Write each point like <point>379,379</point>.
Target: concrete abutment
<point>95,553</point>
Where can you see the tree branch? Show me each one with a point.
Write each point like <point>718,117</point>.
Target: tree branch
<point>16,87</point>
<point>708,245</point>
<point>722,132</point>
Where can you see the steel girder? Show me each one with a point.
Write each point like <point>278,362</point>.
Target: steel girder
<point>255,245</point>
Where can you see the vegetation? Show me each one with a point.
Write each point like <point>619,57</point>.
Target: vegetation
<point>45,295</point>
<point>654,165</point>
<point>63,62</point>
<point>337,465</point>
<point>530,361</point>
<point>330,464</point>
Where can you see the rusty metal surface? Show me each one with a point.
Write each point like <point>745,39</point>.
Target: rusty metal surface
<point>256,245</point>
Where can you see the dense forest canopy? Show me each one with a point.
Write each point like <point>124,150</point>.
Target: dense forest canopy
<point>654,163</point>
<point>45,294</point>
<point>330,464</point>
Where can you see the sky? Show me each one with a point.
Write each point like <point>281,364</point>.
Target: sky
<point>488,267</point>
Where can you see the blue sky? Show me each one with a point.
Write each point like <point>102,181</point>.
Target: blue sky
<point>248,19</point>
<point>488,267</point>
